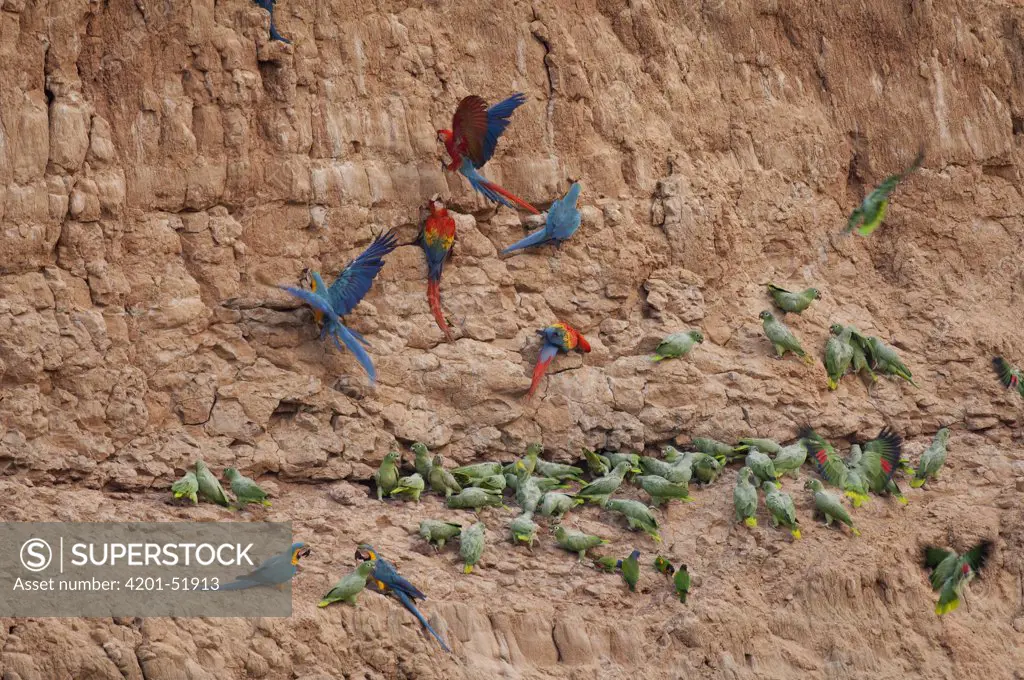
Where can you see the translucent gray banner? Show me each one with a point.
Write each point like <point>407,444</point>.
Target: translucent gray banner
<point>228,569</point>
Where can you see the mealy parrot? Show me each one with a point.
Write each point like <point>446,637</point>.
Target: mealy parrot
<point>437,532</point>
<point>436,237</point>
<point>330,304</point>
<point>465,474</point>
<point>597,464</point>
<point>706,468</point>
<point>471,142</point>
<point>781,337</point>
<point>557,337</point>
<point>1011,376</point>
<point>562,222</point>
<point>829,506</point>
<point>386,476</point>
<point>557,504</point>
<point>682,583</point>
<point>209,487</point>
<point>663,565</point>
<point>186,487</point>
<point>744,498</point>
<point>870,467</point>
<point>951,572</point>
<point>422,461</point>
<point>856,486</point>
<point>274,571</point>
<point>869,214</point>
<point>410,488</point>
<point>881,460</point>
<point>719,450</point>
<point>523,529</point>
<point>631,570</point>
<point>441,480</point>
<point>347,589</point>
<point>932,460</point>
<point>472,498</point>
<point>603,487</point>
<point>781,508</point>
<point>576,541</point>
<point>245,490</point>
<point>838,354</point>
<point>678,472</point>
<point>529,459</point>
<point>492,483</point>
<point>638,516</point>
<point>558,470</point>
<point>632,459</point>
<point>677,345</point>
<point>471,546</point>
<point>607,564</point>
<point>662,490</point>
<point>788,301</point>
<point>269,6</point>
<point>762,466</point>
<point>884,359</point>
<point>765,445</point>
<point>790,458</point>
<point>528,494</point>
<point>386,580</point>
<point>545,484</point>
<point>861,348</point>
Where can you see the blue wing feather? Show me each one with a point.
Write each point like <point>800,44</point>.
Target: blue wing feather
<point>539,237</point>
<point>497,120</point>
<point>563,216</point>
<point>386,572</point>
<point>314,300</point>
<point>355,279</point>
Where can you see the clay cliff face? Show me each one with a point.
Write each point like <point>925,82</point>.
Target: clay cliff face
<point>163,166</point>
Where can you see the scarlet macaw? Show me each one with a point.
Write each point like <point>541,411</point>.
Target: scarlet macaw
<point>557,337</point>
<point>436,237</point>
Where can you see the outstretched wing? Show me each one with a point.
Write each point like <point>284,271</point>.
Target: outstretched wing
<point>320,304</point>
<point>1007,375</point>
<point>829,464</point>
<point>469,128</point>
<point>933,556</point>
<point>497,120</point>
<point>978,555</point>
<point>882,456</point>
<point>356,278</point>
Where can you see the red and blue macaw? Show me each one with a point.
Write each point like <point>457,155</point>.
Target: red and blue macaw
<point>436,237</point>
<point>562,222</point>
<point>557,337</point>
<point>386,580</point>
<point>331,303</point>
<point>471,141</point>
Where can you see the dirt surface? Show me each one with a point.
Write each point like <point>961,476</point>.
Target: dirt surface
<point>163,166</point>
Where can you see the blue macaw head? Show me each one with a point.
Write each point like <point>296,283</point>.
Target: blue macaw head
<point>298,551</point>
<point>635,554</point>
<point>365,552</point>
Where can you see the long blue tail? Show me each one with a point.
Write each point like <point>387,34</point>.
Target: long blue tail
<point>537,238</point>
<point>351,340</point>
<point>408,604</point>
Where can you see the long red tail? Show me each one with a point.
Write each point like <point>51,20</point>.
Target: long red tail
<point>434,300</point>
<point>538,373</point>
<point>512,197</point>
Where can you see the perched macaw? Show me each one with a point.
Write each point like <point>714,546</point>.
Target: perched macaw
<point>436,237</point>
<point>186,487</point>
<point>245,489</point>
<point>273,571</point>
<point>869,214</point>
<point>269,6</point>
<point>386,580</point>
<point>562,222</point>
<point>471,142</point>
<point>1011,376</point>
<point>352,284</point>
<point>951,572</point>
<point>557,337</point>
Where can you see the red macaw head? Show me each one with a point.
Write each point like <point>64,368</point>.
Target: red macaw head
<point>445,137</point>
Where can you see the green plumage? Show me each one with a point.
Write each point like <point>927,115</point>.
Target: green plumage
<point>437,532</point>
<point>661,490</point>
<point>441,480</point>
<point>744,498</point>
<point>706,468</point>
<point>951,572</point>
<point>677,345</point>
<point>245,490</point>
<point>576,541</point>
<point>492,483</point>
<point>559,471</point>
<point>871,212</point>
<point>781,508</point>
<point>838,354</point>
<point>932,460</point>
<point>607,564</point>
<point>781,337</point>
<point>714,447</point>
<point>884,359</point>
<point>681,581</point>
<point>631,570</point>
<point>829,506</point>
<point>789,458</point>
<point>471,546</point>
<point>472,498</point>
<point>386,476</point>
<point>632,459</point>
<point>678,472</point>
<point>603,487</point>
<point>422,462</point>
<point>638,516</point>
<point>350,585</point>
<point>597,464</point>
<point>793,302</point>
<point>209,487</point>
<point>1009,375</point>
<point>528,493</point>
<point>766,445</point>
<point>409,488</point>
<point>762,466</point>
<point>523,529</point>
<point>557,504</point>
<point>186,487</point>
<point>663,565</point>
<point>467,473</point>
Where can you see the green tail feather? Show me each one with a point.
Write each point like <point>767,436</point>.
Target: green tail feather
<point>468,569</point>
<point>946,607</point>
<point>323,603</point>
<point>916,483</point>
<point>658,357</point>
<point>750,522</point>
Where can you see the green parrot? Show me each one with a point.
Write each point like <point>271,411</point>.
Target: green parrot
<point>638,515</point>
<point>442,481</point>
<point>856,485</point>
<point>597,464</point>
<point>713,447</point>
<point>682,582</point>
<point>436,532</point>
<point>706,468</point>
<point>824,456</point>
<point>1009,375</point>
<point>869,214</point>
<point>577,541</point>
<point>884,359</point>
<point>607,564</point>
<point>209,487</point>
<point>838,354</point>
<point>245,490</point>
<point>881,460</point>
<point>678,472</point>
<point>781,337</point>
<point>557,504</point>
<point>861,349</point>
<point>528,494</point>
<point>349,587</point>
<point>677,345</point>
<point>631,570</point>
<point>633,459</point>
<point>762,466</point>
<point>793,302</point>
<point>790,458</point>
<point>744,498</point>
<point>766,445</point>
<point>422,462</point>
<point>663,565</point>
<point>410,488</point>
<point>829,506</point>
<point>661,490</point>
<point>529,459</point>
<point>603,487</point>
<point>932,460</point>
<point>523,529</point>
<point>463,475</point>
<point>471,546</point>
<point>472,498</point>
<point>386,476</point>
<point>559,471</point>
<point>545,484</point>
<point>492,483</point>
<point>781,507</point>
<point>186,487</point>
<point>951,572</point>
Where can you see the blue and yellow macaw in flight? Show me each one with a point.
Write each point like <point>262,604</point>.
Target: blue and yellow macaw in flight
<point>274,571</point>
<point>386,580</point>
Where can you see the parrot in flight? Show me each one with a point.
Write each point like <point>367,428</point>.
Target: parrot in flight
<point>436,237</point>
<point>932,460</point>
<point>562,222</point>
<point>789,301</point>
<point>951,572</point>
<point>347,589</point>
<point>1009,375</point>
<point>352,284</point>
<point>471,142</point>
<point>386,580</point>
<point>245,489</point>
<point>677,345</point>
<point>274,571</point>
<point>557,337</point>
<point>274,35</point>
<point>869,214</point>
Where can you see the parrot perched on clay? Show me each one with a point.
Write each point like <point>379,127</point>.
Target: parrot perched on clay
<point>347,589</point>
<point>467,473</point>
<point>790,458</point>
<point>1011,376</point>
<point>471,546</point>
<point>436,533</point>
<point>562,222</point>
<point>576,541</point>
<point>422,460</point>
<point>663,565</point>
<point>638,516</point>
<point>523,529</point>
<point>269,6</point>
<point>528,494</point>
<point>386,580</point>
<point>529,459</point>
<point>274,571</point>
<point>632,459</point>
<point>781,337</point>
<point>209,487</point>
<point>719,450</point>
<point>351,286</point>
<point>437,237</point>
<point>597,464</point>
<point>607,564</point>
<point>951,572</point>
<point>932,460</point>
<point>559,337</point>
<point>781,507</point>
<point>471,142</point>
<point>603,487</point>
<point>706,468</point>
<point>386,477</point>
<point>744,498</point>
<point>793,302</point>
<point>557,504</point>
<point>681,581</point>
<point>884,359</point>
<point>769,446</point>
<point>558,470</point>
<point>186,487</point>
<point>838,354</point>
<point>631,570</point>
<point>677,345</point>
<point>828,506</point>
<point>245,490</point>
<point>678,472</point>
<point>410,488</point>
<point>441,480</point>
<point>869,214</point>
<point>472,498</point>
<point>492,483</point>
<point>762,466</point>
<point>662,490</point>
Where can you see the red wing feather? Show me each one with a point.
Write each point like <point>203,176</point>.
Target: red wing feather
<point>469,126</point>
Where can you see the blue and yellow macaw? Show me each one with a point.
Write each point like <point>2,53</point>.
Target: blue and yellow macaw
<point>386,580</point>
<point>274,571</point>
<point>331,303</point>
